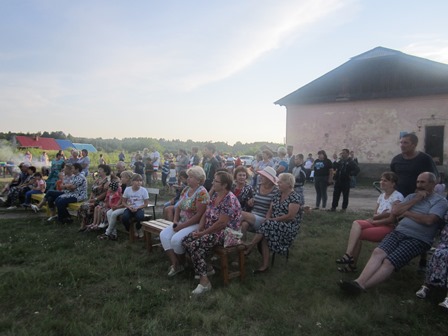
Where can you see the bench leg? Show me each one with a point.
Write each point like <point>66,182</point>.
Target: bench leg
<point>225,268</point>
<point>242,261</point>
<point>148,241</point>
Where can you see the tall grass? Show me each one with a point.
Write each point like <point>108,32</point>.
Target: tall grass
<point>55,281</point>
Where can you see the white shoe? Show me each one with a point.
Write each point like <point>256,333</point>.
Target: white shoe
<point>35,208</point>
<point>52,218</point>
<point>444,304</point>
<point>140,233</point>
<point>422,292</point>
<point>102,225</point>
<point>209,273</point>
<point>173,270</point>
<point>12,207</point>
<point>202,289</point>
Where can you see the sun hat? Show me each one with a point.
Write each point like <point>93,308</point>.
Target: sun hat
<point>270,174</point>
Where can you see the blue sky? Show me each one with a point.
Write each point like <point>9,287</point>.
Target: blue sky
<point>200,70</point>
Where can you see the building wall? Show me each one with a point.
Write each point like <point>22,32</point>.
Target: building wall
<point>370,128</point>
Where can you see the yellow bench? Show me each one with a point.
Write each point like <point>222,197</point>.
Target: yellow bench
<point>72,207</point>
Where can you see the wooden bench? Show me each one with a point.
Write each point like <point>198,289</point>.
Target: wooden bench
<point>156,226</point>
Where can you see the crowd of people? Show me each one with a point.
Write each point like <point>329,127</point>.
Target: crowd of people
<point>216,195</point>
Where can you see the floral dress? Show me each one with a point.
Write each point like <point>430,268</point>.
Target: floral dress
<point>200,248</point>
<point>244,195</point>
<point>280,235</point>
<point>85,211</point>
<point>437,271</point>
<point>187,204</point>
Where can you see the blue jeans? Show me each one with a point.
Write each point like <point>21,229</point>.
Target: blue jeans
<point>62,203</point>
<point>139,215</point>
<point>28,195</point>
<point>321,186</point>
<point>51,196</point>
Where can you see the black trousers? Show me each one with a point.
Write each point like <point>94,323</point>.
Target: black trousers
<point>339,188</point>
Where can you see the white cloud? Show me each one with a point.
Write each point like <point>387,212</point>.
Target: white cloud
<point>430,47</point>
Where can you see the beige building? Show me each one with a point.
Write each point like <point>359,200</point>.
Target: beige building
<point>366,103</point>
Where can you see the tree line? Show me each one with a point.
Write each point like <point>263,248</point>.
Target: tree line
<point>137,144</point>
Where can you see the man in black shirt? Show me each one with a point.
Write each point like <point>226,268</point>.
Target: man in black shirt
<point>344,169</point>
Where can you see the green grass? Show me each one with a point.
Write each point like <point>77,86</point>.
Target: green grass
<point>55,281</point>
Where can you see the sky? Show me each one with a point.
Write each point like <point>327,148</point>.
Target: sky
<point>199,70</point>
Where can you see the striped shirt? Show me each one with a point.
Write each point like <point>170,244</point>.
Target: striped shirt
<point>263,202</point>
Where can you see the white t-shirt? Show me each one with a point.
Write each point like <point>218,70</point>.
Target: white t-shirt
<point>385,205</point>
<point>136,198</point>
<point>155,156</point>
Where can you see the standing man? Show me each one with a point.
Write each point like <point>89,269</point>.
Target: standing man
<point>155,160</point>
<point>121,156</point>
<point>344,169</point>
<point>408,165</point>
<point>210,164</point>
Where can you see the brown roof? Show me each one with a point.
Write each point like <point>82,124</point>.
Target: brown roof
<point>376,74</point>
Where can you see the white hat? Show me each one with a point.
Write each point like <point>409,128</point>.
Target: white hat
<point>270,174</point>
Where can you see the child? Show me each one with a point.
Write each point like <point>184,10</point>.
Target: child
<point>172,177</point>
<point>440,187</point>
<point>166,170</point>
<point>135,199</point>
<point>139,166</point>
<point>170,206</point>
<point>38,187</point>
<point>112,200</point>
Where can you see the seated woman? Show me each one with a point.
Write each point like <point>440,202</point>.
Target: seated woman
<point>282,222</point>
<point>117,210</point>
<point>223,211</point>
<point>261,201</point>
<point>37,188</point>
<point>18,192</point>
<point>77,192</point>
<point>241,188</point>
<point>437,270</point>
<point>373,229</point>
<point>189,210</point>
<point>65,179</point>
<point>97,196</point>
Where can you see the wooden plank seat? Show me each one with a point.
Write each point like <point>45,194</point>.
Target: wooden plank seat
<point>72,207</point>
<point>156,226</point>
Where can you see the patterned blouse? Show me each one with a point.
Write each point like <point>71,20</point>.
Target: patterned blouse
<point>244,195</point>
<point>229,206</point>
<point>187,204</point>
<point>81,188</point>
<point>280,208</point>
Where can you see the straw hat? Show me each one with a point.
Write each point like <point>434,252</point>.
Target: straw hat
<point>270,174</point>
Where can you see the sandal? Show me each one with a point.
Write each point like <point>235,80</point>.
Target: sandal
<point>107,237</point>
<point>349,268</point>
<point>346,259</point>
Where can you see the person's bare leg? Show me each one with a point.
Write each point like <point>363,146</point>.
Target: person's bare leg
<point>265,255</point>
<point>353,238</point>
<point>373,265</point>
<point>380,275</point>
<point>173,258</point>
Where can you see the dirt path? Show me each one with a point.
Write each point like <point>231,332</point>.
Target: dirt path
<point>363,198</point>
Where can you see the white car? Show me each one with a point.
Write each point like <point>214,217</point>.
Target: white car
<point>247,160</point>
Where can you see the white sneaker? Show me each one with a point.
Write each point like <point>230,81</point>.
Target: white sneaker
<point>12,207</point>
<point>173,270</point>
<point>52,218</point>
<point>202,289</point>
<point>209,273</point>
<point>140,233</point>
<point>444,304</point>
<point>102,225</point>
<point>35,208</point>
<point>422,292</point>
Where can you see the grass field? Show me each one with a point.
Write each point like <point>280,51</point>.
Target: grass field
<point>55,281</point>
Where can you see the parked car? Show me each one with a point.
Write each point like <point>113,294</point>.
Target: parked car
<point>246,160</point>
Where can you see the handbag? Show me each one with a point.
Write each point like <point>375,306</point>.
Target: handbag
<point>232,237</point>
